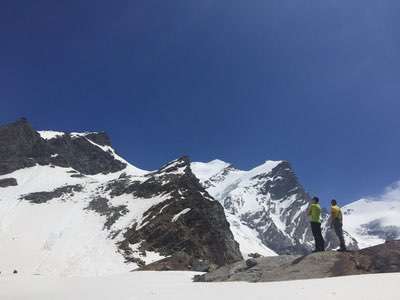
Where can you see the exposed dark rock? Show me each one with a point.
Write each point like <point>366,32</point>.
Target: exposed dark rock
<point>202,233</point>
<point>285,184</point>
<point>251,262</point>
<point>6,182</point>
<point>100,138</point>
<point>21,147</point>
<point>112,213</point>
<point>200,265</point>
<point>80,154</point>
<point>43,197</point>
<point>77,175</point>
<point>119,186</point>
<point>384,258</point>
<point>123,175</point>
<point>254,255</point>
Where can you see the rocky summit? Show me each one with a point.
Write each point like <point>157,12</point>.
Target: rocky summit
<point>22,147</point>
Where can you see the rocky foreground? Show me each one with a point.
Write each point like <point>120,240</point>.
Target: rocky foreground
<point>384,258</point>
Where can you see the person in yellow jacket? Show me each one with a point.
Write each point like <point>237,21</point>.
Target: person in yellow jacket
<point>314,212</point>
<point>336,220</point>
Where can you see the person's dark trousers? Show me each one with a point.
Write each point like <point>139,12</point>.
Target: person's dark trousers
<point>338,226</point>
<point>319,240</point>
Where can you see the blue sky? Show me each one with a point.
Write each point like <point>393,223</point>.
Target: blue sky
<point>312,82</point>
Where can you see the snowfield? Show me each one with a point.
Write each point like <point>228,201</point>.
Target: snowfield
<point>371,221</point>
<point>62,237</point>
<point>178,286</point>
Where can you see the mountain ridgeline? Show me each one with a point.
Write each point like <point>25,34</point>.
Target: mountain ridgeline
<point>23,147</point>
<point>73,191</point>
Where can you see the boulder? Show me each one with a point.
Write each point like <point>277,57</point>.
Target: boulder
<point>251,262</point>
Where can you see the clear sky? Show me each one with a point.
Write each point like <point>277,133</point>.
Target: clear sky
<point>313,82</point>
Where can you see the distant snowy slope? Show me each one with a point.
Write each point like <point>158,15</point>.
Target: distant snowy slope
<point>248,238</point>
<point>372,221</point>
<point>265,206</point>
<point>204,171</point>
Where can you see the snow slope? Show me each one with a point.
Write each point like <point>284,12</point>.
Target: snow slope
<point>265,205</point>
<point>61,237</point>
<point>372,221</point>
<point>235,181</point>
<point>178,286</point>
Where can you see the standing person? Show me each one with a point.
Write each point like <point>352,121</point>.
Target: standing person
<point>337,223</point>
<point>314,213</point>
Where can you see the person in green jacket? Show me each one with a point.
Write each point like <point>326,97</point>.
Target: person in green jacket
<point>314,212</point>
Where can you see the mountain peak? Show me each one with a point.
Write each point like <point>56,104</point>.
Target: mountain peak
<point>181,162</point>
<point>205,171</point>
<point>266,167</point>
<point>23,147</point>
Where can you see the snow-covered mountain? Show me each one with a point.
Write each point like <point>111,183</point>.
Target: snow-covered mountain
<point>372,221</point>
<point>266,207</point>
<point>267,203</point>
<point>70,205</point>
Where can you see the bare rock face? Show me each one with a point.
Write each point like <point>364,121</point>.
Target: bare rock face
<point>43,197</point>
<point>103,208</point>
<point>6,182</point>
<point>21,147</point>
<point>189,221</point>
<point>384,258</point>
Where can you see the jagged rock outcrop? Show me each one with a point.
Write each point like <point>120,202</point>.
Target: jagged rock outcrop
<point>384,258</point>
<point>79,153</point>
<point>22,147</point>
<point>188,220</point>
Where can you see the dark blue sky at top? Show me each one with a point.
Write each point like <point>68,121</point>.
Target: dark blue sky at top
<point>313,82</point>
